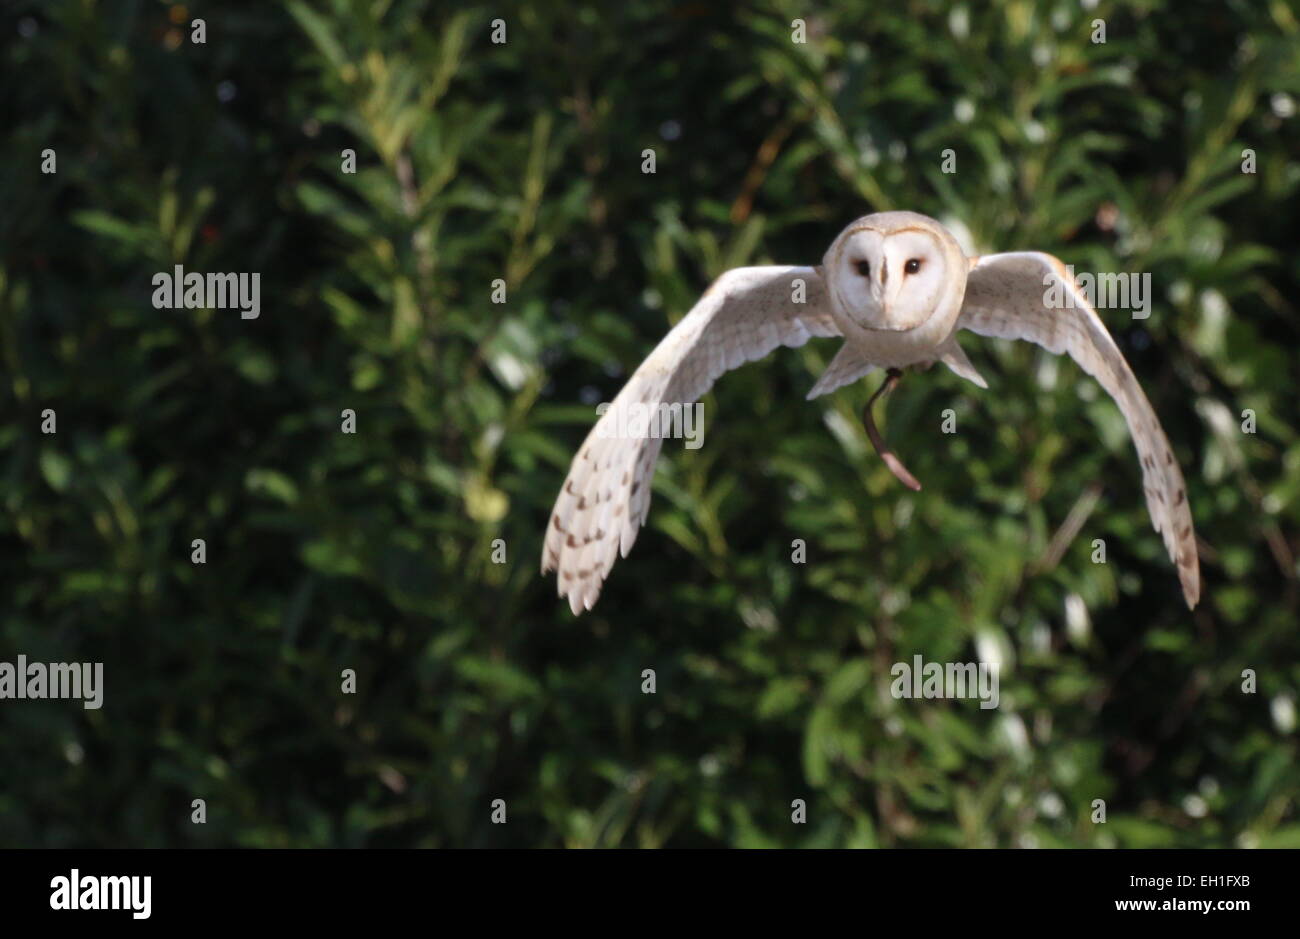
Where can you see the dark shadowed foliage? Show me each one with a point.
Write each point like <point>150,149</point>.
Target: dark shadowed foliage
<point>522,162</point>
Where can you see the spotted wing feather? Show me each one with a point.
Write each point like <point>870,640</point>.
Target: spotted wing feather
<point>602,505</point>
<point>1007,296</point>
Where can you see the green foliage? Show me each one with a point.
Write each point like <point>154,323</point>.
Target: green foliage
<point>521,162</point>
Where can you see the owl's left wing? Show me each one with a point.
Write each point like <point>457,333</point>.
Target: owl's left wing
<point>1007,296</point>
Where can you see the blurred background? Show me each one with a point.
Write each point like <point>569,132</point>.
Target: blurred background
<point>522,162</point>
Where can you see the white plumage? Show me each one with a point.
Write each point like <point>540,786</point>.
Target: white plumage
<point>746,314</point>
<point>896,286</point>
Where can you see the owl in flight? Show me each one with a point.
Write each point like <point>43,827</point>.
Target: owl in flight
<point>896,287</point>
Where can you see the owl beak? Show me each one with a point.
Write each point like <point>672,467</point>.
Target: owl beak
<point>878,293</point>
<point>880,289</point>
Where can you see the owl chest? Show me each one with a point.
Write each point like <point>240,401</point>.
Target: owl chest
<point>895,348</point>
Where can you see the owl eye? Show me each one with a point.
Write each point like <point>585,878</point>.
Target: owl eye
<point>912,266</point>
<point>864,268</point>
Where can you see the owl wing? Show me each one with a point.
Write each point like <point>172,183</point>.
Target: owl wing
<point>743,316</point>
<point>1007,295</point>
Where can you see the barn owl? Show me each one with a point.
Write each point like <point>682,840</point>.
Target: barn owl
<point>896,287</point>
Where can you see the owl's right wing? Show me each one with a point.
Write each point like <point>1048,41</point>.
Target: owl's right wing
<point>1007,296</point>
<point>748,312</point>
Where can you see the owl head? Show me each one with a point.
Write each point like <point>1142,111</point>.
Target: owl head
<point>896,271</point>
